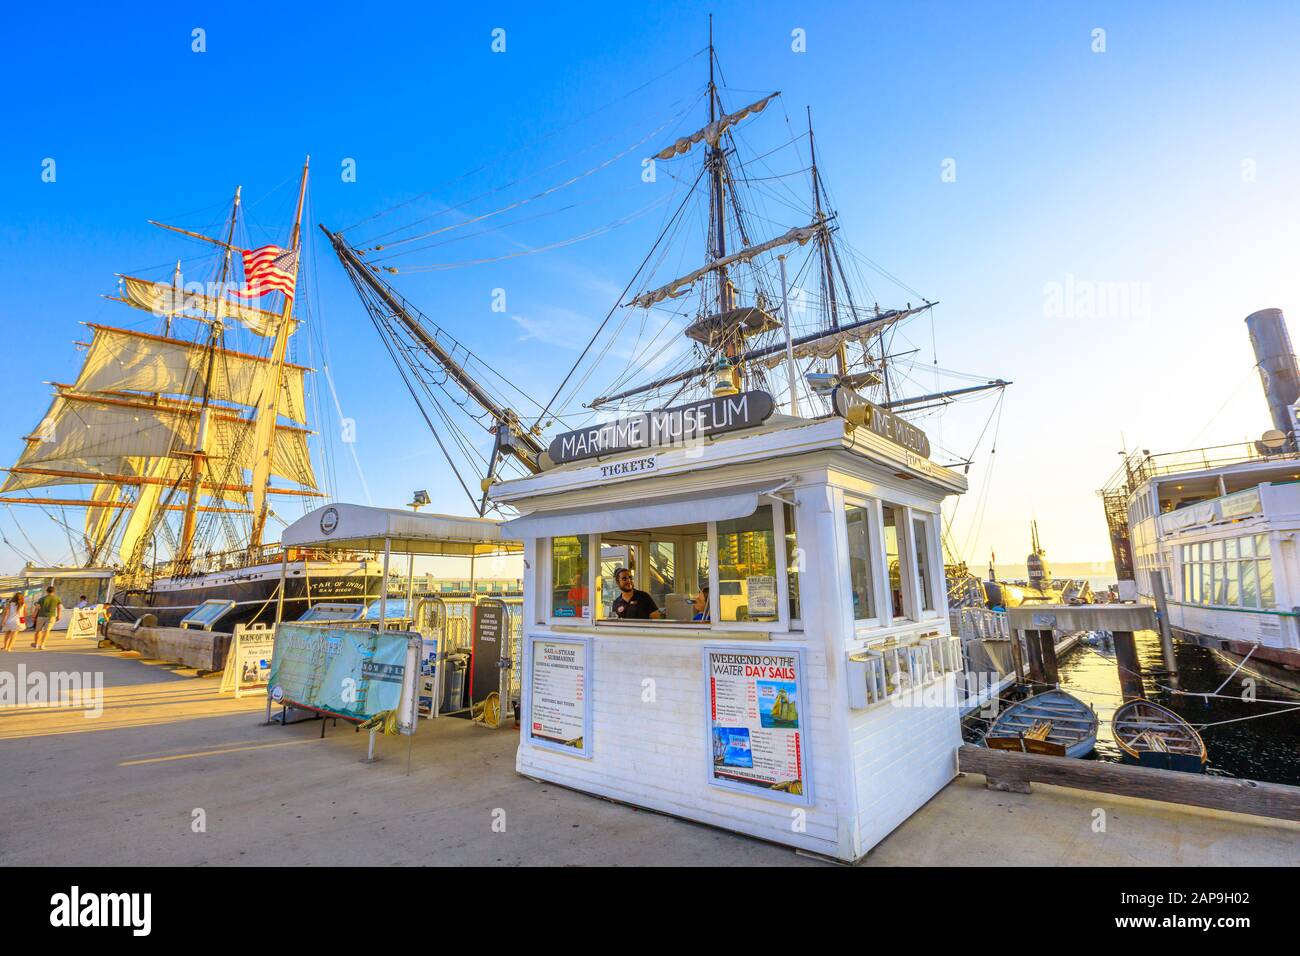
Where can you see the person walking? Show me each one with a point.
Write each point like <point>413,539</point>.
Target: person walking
<point>14,618</point>
<point>47,615</point>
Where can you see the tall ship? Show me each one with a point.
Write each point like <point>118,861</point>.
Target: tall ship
<point>749,286</point>
<point>1210,533</point>
<point>181,430</point>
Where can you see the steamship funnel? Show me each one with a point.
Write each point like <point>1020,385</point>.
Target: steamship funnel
<point>1277,366</point>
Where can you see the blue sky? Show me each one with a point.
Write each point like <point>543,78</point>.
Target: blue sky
<point>1161,171</point>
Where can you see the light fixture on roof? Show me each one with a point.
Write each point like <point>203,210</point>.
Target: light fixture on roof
<point>419,499</point>
<point>822,383</point>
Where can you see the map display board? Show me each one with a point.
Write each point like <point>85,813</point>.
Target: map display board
<point>756,710</point>
<point>207,614</point>
<point>559,700</point>
<point>352,672</point>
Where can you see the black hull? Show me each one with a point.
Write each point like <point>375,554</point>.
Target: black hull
<point>255,595</point>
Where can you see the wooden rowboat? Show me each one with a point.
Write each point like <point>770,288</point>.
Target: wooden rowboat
<point>1053,723</point>
<point>1154,736</point>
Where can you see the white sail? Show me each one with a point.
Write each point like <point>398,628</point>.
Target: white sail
<point>80,427</point>
<point>162,299</point>
<point>119,360</point>
<point>35,471</point>
<point>713,132</point>
<point>799,234</point>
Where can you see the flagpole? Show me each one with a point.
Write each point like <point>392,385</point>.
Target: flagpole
<point>269,403</point>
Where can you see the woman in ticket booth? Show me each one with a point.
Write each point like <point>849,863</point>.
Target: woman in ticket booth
<point>701,605</point>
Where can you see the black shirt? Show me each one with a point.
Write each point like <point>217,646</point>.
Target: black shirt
<point>639,606</point>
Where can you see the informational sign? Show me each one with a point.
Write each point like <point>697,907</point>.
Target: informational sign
<point>325,611</point>
<point>349,671</point>
<point>758,740</point>
<point>490,625</point>
<point>666,427</point>
<point>207,614</point>
<point>761,593</point>
<point>559,700</point>
<point>248,662</point>
<point>883,423</point>
<point>83,622</point>
<point>428,687</point>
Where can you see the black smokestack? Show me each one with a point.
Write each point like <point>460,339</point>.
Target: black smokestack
<point>1277,366</point>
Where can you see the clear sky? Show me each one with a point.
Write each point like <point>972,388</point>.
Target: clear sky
<point>1158,173</point>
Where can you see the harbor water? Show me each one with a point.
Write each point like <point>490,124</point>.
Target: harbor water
<point>1263,746</point>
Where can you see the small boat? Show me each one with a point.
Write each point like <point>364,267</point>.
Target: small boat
<point>1052,723</point>
<point>1154,736</point>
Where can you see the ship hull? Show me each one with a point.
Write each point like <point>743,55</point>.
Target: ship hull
<point>255,591</point>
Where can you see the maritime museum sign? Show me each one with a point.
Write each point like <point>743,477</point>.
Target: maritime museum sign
<point>666,427</point>
<point>883,423</point>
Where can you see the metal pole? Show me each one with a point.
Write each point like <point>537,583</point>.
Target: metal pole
<point>790,370</point>
<point>383,593</point>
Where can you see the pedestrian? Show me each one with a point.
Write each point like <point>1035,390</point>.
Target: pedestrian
<point>15,618</point>
<point>83,602</point>
<point>48,611</point>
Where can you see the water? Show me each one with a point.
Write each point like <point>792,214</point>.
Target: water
<point>1264,748</point>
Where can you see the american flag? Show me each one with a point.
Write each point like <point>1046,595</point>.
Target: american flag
<point>269,269</point>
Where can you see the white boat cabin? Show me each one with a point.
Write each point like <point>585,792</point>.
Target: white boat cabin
<point>797,680</point>
<point>1224,538</point>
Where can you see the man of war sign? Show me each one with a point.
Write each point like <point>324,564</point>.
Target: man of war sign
<point>665,427</point>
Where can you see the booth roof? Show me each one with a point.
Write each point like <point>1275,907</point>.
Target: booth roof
<point>362,528</point>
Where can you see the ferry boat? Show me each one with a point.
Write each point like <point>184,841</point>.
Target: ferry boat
<point>1210,533</point>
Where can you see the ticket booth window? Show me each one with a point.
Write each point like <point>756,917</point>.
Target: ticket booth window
<point>921,537</point>
<point>570,566</point>
<point>747,558</point>
<point>858,519</point>
<point>661,570</point>
<point>793,559</point>
<point>893,543</point>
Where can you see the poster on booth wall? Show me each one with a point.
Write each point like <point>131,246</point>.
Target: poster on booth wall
<point>559,702</point>
<point>757,730</point>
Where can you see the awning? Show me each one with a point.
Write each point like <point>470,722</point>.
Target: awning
<point>350,527</point>
<point>668,511</point>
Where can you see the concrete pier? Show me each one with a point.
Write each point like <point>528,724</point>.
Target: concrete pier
<point>122,789</point>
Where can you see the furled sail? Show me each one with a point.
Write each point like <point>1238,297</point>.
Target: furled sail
<point>99,521</point>
<point>799,234</point>
<point>162,299</point>
<point>119,360</point>
<point>713,132</point>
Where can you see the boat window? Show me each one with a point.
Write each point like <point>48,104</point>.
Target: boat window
<point>570,596</point>
<point>1242,577</point>
<point>922,540</point>
<point>858,519</point>
<point>895,569</point>
<point>747,558</point>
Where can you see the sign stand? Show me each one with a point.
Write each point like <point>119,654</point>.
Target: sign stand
<point>248,662</point>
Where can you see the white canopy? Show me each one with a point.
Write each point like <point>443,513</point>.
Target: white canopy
<point>717,504</point>
<point>363,528</point>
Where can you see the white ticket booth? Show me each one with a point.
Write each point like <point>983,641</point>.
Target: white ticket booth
<point>796,682</point>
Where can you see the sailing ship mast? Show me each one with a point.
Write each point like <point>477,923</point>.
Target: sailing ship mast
<point>159,424</point>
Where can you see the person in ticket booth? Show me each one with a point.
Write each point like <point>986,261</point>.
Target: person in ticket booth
<point>632,604</point>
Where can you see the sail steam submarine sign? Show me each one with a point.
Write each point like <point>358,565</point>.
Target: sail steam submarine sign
<point>666,427</point>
